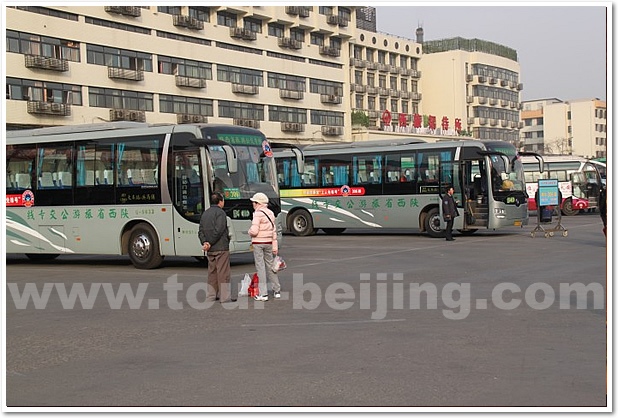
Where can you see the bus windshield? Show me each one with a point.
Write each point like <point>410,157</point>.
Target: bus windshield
<point>503,182</point>
<point>256,173</point>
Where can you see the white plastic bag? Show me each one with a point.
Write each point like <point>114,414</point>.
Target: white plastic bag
<point>244,286</point>
<point>279,264</point>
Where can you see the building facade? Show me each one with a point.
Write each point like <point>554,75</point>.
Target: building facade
<point>297,73</point>
<point>576,127</point>
<point>475,81</point>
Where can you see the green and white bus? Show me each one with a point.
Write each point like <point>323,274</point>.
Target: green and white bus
<point>131,188</point>
<point>398,184</point>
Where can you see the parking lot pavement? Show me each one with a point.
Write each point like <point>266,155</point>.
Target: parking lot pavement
<point>367,319</point>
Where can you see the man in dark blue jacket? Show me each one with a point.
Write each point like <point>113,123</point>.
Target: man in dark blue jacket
<point>214,236</point>
<point>449,211</point>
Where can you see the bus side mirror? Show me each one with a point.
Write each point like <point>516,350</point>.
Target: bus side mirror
<point>300,161</point>
<point>232,161</point>
<point>507,163</point>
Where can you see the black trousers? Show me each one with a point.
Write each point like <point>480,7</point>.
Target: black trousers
<point>449,229</point>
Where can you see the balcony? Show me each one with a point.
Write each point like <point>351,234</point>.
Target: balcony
<point>394,93</point>
<point>493,101</point>
<point>45,108</point>
<point>188,118</point>
<point>133,11</point>
<point>417,96</point>
<point>332,130</point>
<point>469,78</point>
<point>373,114</point>
<point>126,114</point>
<point>125,74</point>
<point>188,22</point>
<point>405,94</point>
<point>46,63</point>
<point>372,90</point>
<point>242,33</point>
<point>415,73</point>
<point>294,10</point>
<point>372,65</point>
<point>292,94</point>
<point>289,43</point>
<point>382,91</point>
<point>357,63</point>
<point>250,123</point>
<point>331,98</point>
<point>384,67</point>
<point>292,127</point>
<point>245,89</point>
<point>332,19</point>
<point>393,69</point>
<point>330,51</point>
<point>184,81</point>
<point>359,88</point>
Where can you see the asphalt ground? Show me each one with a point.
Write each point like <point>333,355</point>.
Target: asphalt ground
<point>347,332</point>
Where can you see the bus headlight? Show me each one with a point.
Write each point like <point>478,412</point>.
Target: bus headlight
<point>500,213</point>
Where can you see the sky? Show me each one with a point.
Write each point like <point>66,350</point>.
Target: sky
<point>562,50</point>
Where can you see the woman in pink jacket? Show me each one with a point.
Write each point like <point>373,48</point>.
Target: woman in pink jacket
<point>263,234</point>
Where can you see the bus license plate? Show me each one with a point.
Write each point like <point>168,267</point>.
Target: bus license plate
<point>517,223</point>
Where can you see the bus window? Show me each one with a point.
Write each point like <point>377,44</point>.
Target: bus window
<point>287,173</point>
<point>333,172</point>
<point>19,164</point>
<point>309,176</point>
<point>367,169</point>
<point>188,191</point>
<point>428,168</point>
<point>55,167</point>
<point>137,162</point>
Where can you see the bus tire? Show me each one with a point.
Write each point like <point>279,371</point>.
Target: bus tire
<point>42,257</point>
<point>301,223</point>
<point>432,224</point>
<point>333,231</point>
<point>144,249</point>
<point>567,208</point>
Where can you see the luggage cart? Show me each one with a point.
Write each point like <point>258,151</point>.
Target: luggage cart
<point>544,215</point>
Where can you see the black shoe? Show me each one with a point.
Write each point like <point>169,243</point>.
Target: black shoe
<point>452,239</point>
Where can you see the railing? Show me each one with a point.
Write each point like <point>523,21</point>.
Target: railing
<point>134,11</point>
<point>185,81</point>
<point>46,63</point>
<point>291,94</point>
<point>245,89</point>
<point>45,108</point>
<point>125,74</point>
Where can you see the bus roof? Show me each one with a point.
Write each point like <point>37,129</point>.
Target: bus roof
<point>115,129</point>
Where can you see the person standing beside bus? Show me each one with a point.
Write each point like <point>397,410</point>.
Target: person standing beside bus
<point>263,235</point>
<point>214,236</point>
<point>450,212</point>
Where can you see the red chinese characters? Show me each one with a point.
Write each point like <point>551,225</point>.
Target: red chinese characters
<point>403,120</point>
<point>417,121</point>
<point>444,123</point>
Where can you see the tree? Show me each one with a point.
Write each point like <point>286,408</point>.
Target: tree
<point>360,118</point>
<point>558,146</point>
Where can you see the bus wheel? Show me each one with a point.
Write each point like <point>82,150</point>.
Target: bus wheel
<point>41,257</point>
<point>567,208</point>
<point>301,223</point>
<point>144,248</point>
<point>432,224</point>
<point>333,231</point>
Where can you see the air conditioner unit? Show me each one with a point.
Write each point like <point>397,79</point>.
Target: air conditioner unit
<point>134,115</point>
<point>185,118</point>
<point>198,119</point>
<point>117,114</point>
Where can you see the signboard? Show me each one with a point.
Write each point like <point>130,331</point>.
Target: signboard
<point>548,193</point>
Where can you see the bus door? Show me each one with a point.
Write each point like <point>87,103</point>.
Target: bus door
<point>187,169</point>
<point>451,174</point>
<point>475,193</point>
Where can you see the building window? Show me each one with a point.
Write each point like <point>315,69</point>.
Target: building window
<point>358,77</point>
<point>382,57</point>
<point>286,82</point>
<point>324,117</point>
<point>239,75</point>
<point>200,13</point>
<point>392,58</point>
<point>370,55</point>
<point>185,105</point>
<point>382,81</point>
<point>28,44</point>
<point>325,10</point>
<point>359,101</point>
<point>404,84</point>
<point>325,87</point>
<point>170,10</point>
<point>335,42</point>
<point>120,99</point>
<point>227,19</point>
<point>317,38</point>
<point>275,29</point>
<point>188,68</point>
<point>239,110</point>
<point>404,106</point>
<point>394,83</point>
<point>287,114</point>
<point>118,58</point>
<point>297,34</point>
<point>403,61</point>
<point>371,103</point>
<point>253,25</point>
<point>382,104</point>
<point>43,91</point>
<point>358,52</point>
<point>344,13</point>
<point>394,105</point>
<point>371,79</point>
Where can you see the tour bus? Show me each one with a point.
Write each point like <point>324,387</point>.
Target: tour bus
<point>399,184</point>
<point>579,181</point>
<point>131,188</point>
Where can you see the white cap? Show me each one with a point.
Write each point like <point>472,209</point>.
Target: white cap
<point>260,198</point>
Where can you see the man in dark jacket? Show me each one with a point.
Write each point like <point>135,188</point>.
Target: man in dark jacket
<point>213,234</point>
<point>450,212</point>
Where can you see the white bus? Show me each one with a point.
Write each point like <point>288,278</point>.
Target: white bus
<point>398,184</point>
<point>131,188</point>
<point>579,181</point>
